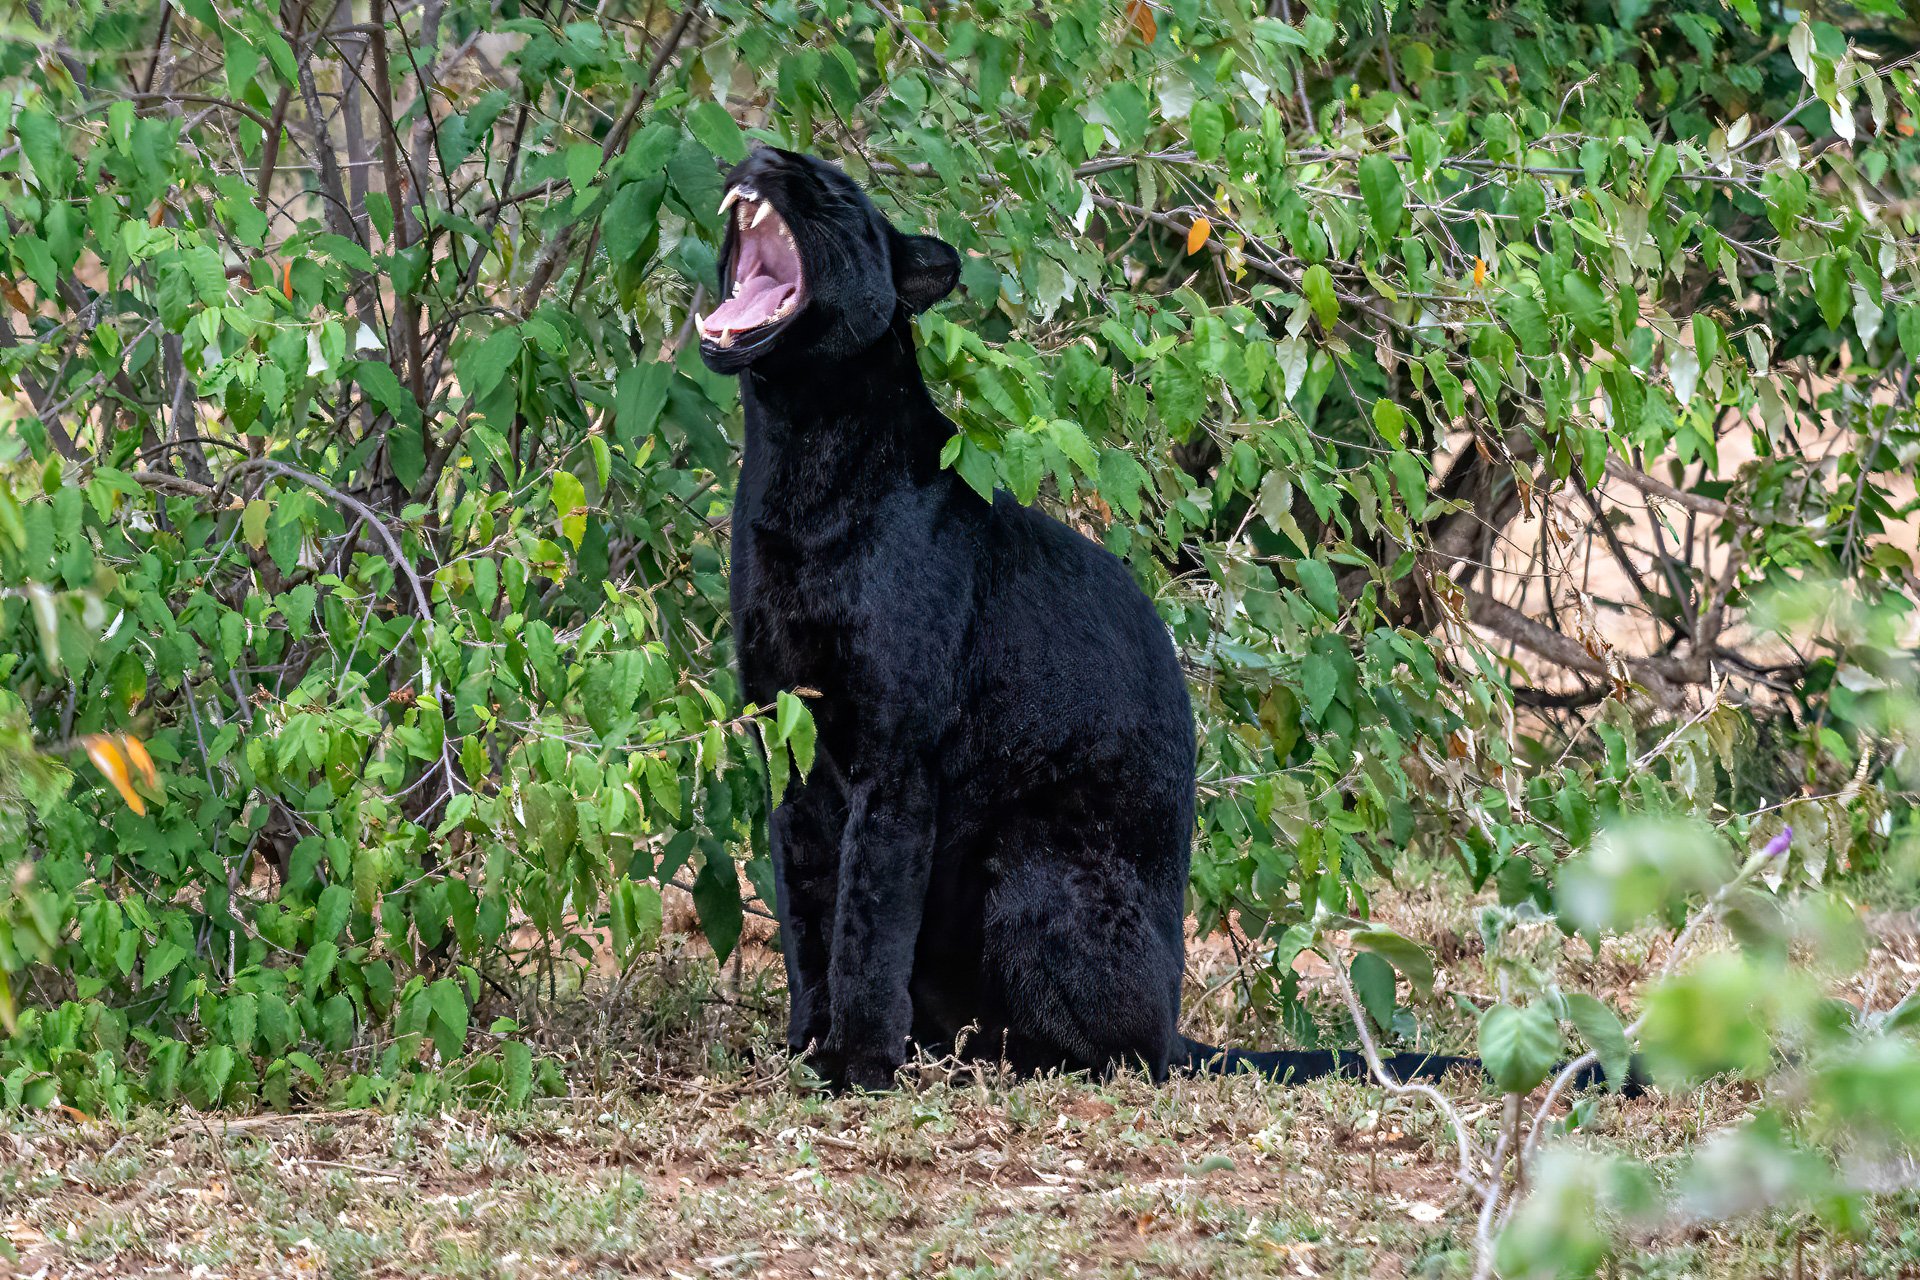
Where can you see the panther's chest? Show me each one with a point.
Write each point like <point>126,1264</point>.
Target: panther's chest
<point>797,607</point>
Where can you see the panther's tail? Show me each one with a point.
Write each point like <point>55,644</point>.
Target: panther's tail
<point>1310,1064</point>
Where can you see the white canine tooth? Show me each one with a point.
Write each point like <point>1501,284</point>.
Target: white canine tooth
<point>727,201</point>
<point>760,215</point>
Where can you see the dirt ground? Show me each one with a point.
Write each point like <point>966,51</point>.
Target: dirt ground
<point>692,1148</point>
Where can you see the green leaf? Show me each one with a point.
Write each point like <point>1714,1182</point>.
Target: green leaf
<point>1660,171</point>
<point>1023,465</point>
<point>318,966</point>
<point>709,122</point>
<point>348,253</point>
<point>1519,1046</point>
<point>1411,479</point>
<point>1316,579</point>
<point>634,912</point>
<point>516,1060</point>
<point>383,388</point>
<point>1831,290</point>
<point>1389,421</point>
<point>1126,110</point>
<point>1317,284</point>
<point>448,1021</point>
<point>567,493</point>
<point>242,1013</point>
<point>1404,954</point>
<point>1909,329</point>
<point>331,912</point>
<point>716,897</point>
<point>1384,195</point>
<point>407,453</point>
<point>162,960</point>
<point>640,396</point>
<point>793,726</point>
<point>45,150</point>
<point>1587,307</point>
<point>1373,982</point>
<point>482,364</point>
<point>214,1066</point>
<point>631,217</point>
<point>1179,393</point>
<point>1319,681</point>
<point>582,161</point>
<point>1207,129</point>
<point>1601,1029</point>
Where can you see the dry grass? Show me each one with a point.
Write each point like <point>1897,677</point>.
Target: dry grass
<point>693,1148</point>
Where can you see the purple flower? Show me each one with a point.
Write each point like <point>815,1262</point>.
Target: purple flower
<point>1778,846</point>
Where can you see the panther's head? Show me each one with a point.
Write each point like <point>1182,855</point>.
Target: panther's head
<point>811,270</point>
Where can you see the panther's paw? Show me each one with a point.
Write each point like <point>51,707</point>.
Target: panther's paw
<point>857,1071</point>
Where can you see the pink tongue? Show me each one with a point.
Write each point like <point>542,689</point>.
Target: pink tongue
<point>753,304</point>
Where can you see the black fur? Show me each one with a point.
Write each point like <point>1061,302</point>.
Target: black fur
<point>995,833</point>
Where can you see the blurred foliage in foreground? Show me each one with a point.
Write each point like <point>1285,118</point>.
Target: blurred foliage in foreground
<point>1456,379</point>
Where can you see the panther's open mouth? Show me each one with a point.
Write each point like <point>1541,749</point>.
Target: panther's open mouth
<point>767,287</point>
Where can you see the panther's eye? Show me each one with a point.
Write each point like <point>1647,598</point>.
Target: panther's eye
<point>767,286</point>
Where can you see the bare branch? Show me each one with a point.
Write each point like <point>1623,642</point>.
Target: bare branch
<point>1661,489</point>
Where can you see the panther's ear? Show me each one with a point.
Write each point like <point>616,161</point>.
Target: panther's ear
<point>925,269</point>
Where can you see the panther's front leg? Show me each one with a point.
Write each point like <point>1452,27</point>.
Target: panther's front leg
<point>805,832</point>
<point>886,855</point>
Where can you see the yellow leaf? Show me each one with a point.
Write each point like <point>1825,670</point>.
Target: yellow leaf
<point>253,523</point>
<point>1197,235</point>
<point>142,762</point>
<point>108,758</point>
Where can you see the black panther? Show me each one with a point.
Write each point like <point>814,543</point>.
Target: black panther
<point>996,829</point>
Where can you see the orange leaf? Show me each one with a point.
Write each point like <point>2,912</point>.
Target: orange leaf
<point>1140,14</point>
<point>286,279</point>
<point>16,298</point>
<point>1197,235</point>
<point>1479,272</point>
<point>108,758</point>
<point>142,763</point>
